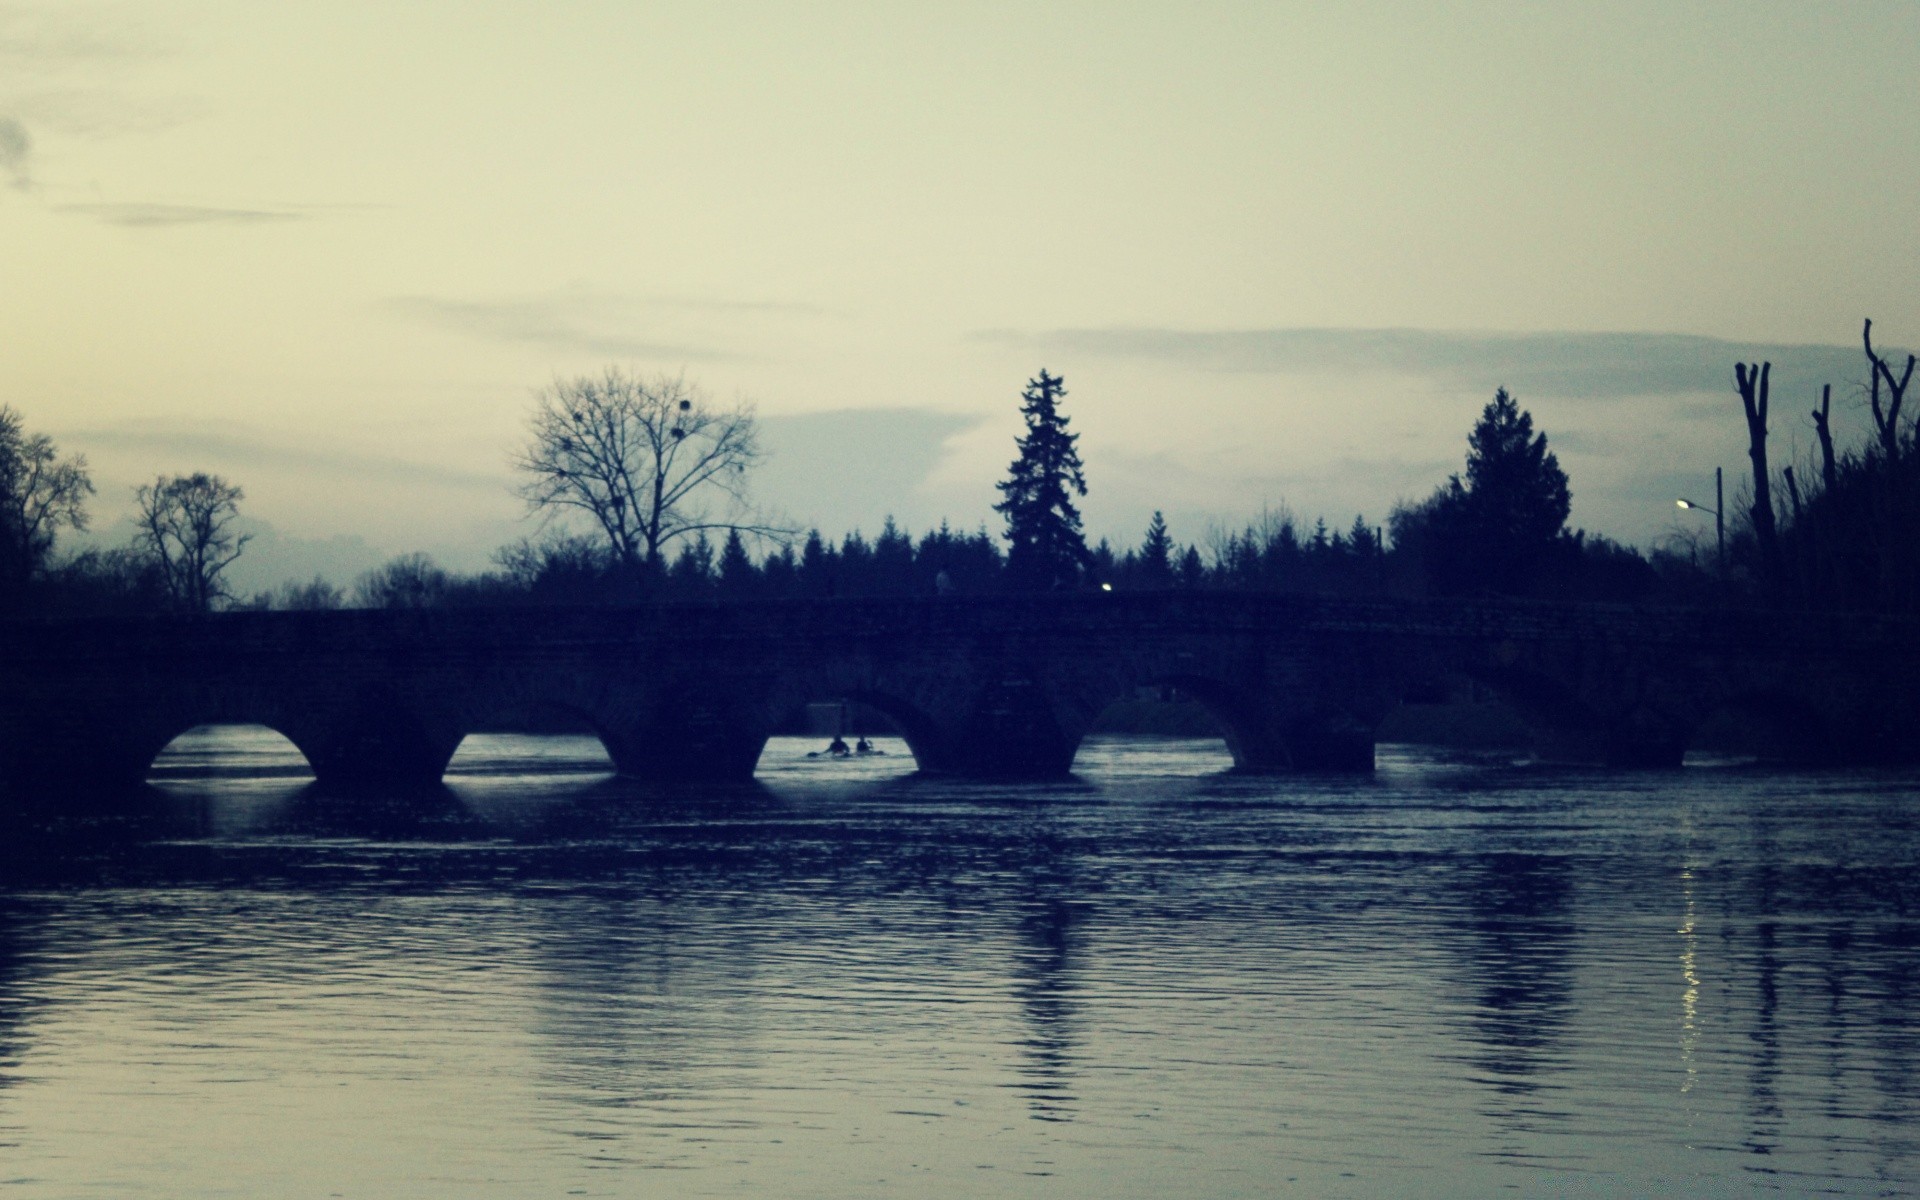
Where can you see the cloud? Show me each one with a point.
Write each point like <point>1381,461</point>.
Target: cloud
<point>148,216</point>
<point>243,453</point>
<point>105,111</point>
<point>1596,366</point>
<point>604,326</point>
<point>43,37</point>
<point>16,149</point>
<point>852,468</point>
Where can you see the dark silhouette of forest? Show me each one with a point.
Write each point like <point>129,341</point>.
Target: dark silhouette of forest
<point>1837,532</point>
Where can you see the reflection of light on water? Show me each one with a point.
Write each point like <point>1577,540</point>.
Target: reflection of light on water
<point>1689,965</point>
<point>1689,999</point>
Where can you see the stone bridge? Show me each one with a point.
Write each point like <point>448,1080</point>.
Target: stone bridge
<point>984,686</point>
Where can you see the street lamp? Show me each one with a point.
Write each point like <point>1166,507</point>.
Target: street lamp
<point>1719,522</point>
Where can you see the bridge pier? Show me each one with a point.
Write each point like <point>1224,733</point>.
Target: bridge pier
<point>1330,742</point>
<point>1318,741</point>
<point>1621,746</point>
<point>684,733</point>
<point>374,748</point>
<point>1010,730</point>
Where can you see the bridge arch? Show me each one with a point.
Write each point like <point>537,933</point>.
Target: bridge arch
<point>539,729</point>
<point>1265,728</point>
<point>925,738</point>
<point>244,747</point>
<point>1233,713</point>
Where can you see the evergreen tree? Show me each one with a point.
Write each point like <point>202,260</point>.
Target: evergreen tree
<point>1360,540</point>
<point>692,572</point>
<point>1045,547</point>
<point>780,574</point>
<point>856,565</point>
<point>1193,572</point>
<point>738,578</point>
<point>819,566</point>
<point>893,561</point>
<point>1156,554</point>
<point>1100,562</point>
<point>1493,531</point>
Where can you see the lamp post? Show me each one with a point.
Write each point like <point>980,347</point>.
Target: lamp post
<point>1719,522</point>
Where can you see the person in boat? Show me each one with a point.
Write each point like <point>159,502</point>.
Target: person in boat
<point>863,746</point>
<point>838,747</point>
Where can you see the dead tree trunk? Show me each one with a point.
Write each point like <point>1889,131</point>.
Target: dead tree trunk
<point>1753,396</point>
<point>1887,423</point>
<point>1823,427</point>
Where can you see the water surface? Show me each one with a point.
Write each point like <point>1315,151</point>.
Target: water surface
<point>1459,977</point>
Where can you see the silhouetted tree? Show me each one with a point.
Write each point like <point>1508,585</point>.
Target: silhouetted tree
<point>1853,541</point>
<point>408,581</point>
<point>1823,426</point>
<point>317,594</point>
<point>893,562</point>
<point>185,528</point>
<point>856,565</point>
<point>1100,564</point>
<point>692,572</point>
<point>1493,530</point>
<point>1193,572</point>
<point>1156,554</point>
<point>1045,547</point>
<point>1886,420</point>
<point>565,569</point>
<point>738,578</point>
<point>1361,541</point>
<point>1752,382</point>
<point>40,493</point>
<point>648,461</point>
<point>819,566</point>
<point>780,574</point>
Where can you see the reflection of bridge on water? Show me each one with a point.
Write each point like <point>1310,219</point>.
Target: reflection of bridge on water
<point>1003,686</point>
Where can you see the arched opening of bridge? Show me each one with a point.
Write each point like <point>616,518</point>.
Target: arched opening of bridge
<point>550,741</point>
<point>870,732</point>
<point>1178,723</point>
<point>229,751</point>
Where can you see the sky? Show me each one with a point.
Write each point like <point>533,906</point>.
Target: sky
<point>1282,253</point>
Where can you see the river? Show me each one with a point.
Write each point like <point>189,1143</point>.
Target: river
<point>1458,977</point>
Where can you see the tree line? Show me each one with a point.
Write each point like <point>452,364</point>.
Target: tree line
<point>641,488</point>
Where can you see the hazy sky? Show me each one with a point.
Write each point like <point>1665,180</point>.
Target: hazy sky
<point>1283,253</point>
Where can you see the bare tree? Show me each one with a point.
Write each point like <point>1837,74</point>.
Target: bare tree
<point>1752,382</point>
<point>409,581</point>
<point>649,461</point>
<point>185,527</point>
<point>1886,421</point>
<point>1823,426</point>
<point>39,493</point>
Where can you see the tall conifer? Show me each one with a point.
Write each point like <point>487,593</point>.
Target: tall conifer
<point>1045,547</point>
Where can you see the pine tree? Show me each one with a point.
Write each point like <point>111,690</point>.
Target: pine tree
<point>692,572</point>
<point>1156,554</point>
<point>1045,547</point>
<point>738,578</point>
<point>1360,540</point>
<point>1493,531</point>
<point>893,561</point>
<point>1193,572</point>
